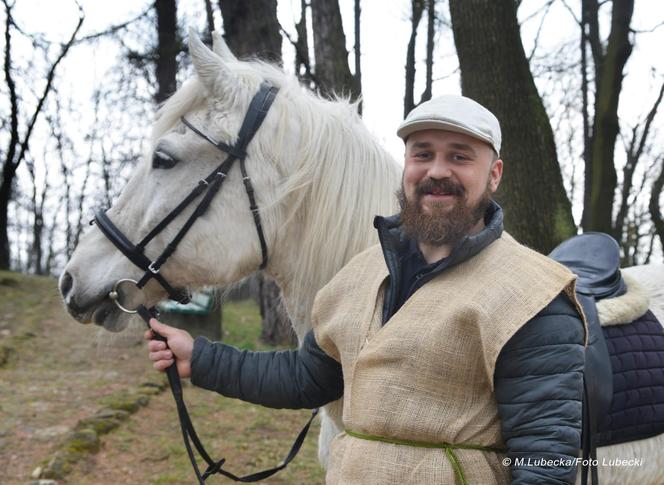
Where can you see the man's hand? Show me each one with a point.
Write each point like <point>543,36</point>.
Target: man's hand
<point>180,343</point>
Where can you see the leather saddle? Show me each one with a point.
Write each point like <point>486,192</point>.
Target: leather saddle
<point>595,259</point>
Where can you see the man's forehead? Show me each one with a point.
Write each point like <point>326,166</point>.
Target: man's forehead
<point>431,138</point>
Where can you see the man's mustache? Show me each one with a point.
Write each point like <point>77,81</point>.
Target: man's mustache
<point>443,186</point>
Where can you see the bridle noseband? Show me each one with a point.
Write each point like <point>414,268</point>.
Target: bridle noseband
<point>208,187</point>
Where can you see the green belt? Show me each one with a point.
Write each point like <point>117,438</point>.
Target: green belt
<point>448,447</point>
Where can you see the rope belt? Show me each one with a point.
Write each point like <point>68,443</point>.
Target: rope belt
<point>448,447</point>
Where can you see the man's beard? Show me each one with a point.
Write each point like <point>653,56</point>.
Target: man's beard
<point>442,225</point>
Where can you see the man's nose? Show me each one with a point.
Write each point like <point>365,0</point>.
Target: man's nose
<point>439,169</point>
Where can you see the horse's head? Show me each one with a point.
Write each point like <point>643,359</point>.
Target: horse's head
<point>222,246</point>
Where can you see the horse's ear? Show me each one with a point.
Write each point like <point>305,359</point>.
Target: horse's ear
<point>220,47</point>
<point>210,68</point>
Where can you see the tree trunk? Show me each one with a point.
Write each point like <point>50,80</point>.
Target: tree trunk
<point>417,7</point>
<point>431,32</point>
<point>277,329</point>
<point>601,174</point>
<point>332,70</point>
<point>168,47</point>
<point>495,72</point>
<point>653,206</point>
<point>358,52</point>
<point>251,28</point>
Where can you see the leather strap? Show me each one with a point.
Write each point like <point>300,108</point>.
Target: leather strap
<point>189,435</point>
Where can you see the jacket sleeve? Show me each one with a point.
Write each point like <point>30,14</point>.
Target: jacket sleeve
<point>539,389</point>
<point>294,379</point>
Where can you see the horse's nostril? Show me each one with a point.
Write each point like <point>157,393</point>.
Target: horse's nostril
<point>66,283</point>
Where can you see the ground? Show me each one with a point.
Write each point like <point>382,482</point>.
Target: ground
<point>55,372</point>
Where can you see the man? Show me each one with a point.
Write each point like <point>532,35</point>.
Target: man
<point>459,353</point>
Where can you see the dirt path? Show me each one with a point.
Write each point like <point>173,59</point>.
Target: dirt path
<point>59,372</point>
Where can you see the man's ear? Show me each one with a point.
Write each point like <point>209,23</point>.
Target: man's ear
<point>495,174</point>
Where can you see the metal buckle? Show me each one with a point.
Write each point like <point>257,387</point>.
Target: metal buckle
<point>151,268</point>
<point>115,295</point>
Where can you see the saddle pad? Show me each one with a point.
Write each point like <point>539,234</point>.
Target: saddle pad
<point>636,351</point>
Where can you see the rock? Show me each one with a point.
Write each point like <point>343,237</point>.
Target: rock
<point>99,424</point>
<point>36,473</point>
<point>83,441</point>
<point>59,465</point>
<point>118,414</point>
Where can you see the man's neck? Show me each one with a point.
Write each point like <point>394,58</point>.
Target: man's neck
<point>434,253</point>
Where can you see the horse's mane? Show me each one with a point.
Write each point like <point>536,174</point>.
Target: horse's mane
<point>341,179</point>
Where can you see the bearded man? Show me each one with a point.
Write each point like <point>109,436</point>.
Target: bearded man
<point>459,352</point>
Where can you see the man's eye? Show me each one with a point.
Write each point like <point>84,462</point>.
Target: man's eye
<point>163,160</point>
<point>422,155</point>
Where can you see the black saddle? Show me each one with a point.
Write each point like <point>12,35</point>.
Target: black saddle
<point>624,372</point>
<point>595,259</point>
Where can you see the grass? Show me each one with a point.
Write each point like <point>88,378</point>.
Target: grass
<point>147,446</point>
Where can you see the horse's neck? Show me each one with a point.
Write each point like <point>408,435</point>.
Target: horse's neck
<point>319,242</point>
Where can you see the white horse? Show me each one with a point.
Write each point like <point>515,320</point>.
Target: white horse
<point>319,179</point>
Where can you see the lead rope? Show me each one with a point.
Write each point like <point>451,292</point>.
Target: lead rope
<point>189,433</point>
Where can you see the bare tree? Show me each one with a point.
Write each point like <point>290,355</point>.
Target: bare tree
<point>495,72</point>
<point>251,28</point>
<point>609,62</point>
<point>417,8</point>
<point>654,205</point>
<point>634,153</point>
<point>18,145</point>
<point>168,47</point>
<point>330,53</point>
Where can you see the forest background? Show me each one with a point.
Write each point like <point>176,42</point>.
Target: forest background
<point>577,85</point>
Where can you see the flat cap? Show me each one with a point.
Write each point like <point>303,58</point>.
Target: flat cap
<point>454,113</point>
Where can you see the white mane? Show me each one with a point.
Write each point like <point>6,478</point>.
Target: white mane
<point>341,178</point>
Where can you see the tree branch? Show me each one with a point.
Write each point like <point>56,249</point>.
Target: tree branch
<point>653,206</point>
<point>47,89</point>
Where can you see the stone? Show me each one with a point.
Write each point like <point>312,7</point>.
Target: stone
<point>83,441</point>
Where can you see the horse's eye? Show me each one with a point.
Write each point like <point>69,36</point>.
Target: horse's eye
<point>163,160</point>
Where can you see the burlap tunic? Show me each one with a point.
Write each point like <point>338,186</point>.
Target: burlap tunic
<point>427,374</point>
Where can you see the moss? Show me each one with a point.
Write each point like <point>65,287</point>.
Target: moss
<point>82,441</point>
<point>98,424</point>
<point>60,464</point>
<point>127,402</point>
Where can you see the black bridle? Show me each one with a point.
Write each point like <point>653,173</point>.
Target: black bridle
<point>208,187</point>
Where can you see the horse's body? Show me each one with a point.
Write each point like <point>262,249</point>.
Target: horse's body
<point>319,179</point>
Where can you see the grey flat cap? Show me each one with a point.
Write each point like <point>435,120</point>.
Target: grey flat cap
<point>454,113</point>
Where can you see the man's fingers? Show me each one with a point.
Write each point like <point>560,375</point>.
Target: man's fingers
<point>155,345</point>
<point>161,328</point>
<point>161,355</point>
<point>162,365</point>
<point>148,335</point>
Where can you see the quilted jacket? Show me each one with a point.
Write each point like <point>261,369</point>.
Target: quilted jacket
<point>538,378</point>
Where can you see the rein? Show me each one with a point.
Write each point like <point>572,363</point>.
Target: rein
<point>208,187</point>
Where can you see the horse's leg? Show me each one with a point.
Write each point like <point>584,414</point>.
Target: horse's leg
<point>330,426</point>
